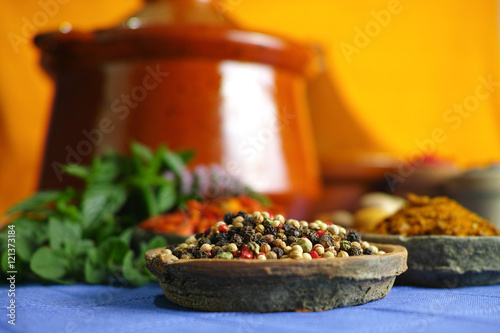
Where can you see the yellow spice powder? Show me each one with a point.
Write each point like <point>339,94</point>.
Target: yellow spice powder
<point>435,216</point>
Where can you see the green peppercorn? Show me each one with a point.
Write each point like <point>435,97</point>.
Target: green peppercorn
<point>345,245</point>
<point>305,244</point>
<point>254,247</point>
<point>225,255</point>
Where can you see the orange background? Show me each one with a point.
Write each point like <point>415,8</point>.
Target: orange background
<point>396,85</point>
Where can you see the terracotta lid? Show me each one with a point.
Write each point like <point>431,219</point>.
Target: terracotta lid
<point>171,29</point>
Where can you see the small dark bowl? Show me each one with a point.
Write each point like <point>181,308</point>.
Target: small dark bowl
<point>447,261</point>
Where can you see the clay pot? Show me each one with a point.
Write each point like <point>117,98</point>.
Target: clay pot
<point>179,72</point>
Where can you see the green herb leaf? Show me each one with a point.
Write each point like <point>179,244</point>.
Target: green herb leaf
<point>141,151</point>
<point>48,264</point>
<point>132,274</point>
<point>174,162</point>
<point>36,203</point>
<point>166,198</point>
<point>99,201</point>
<point>77,171</point>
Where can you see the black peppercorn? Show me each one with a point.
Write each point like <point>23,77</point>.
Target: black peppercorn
<point>200,235</point>
<point>242,214</point>
<point>204,240</point>
<point>279,251</point>
<point>202,254</point>
<point>217,250</point>
<point>237,239</point>
<point>215,238</point>
<point>178,253</point>
<point>313,236</point>
<point>292,231</point>
<point>270,230</point>
<point>326,240</point>
<point>228,218</point>
<point>192,249</point>
<point>355,251</point>
<point>261,241</point>
<point>368,251</point>
<point>283,237</point>
<point>353,236</point>
<point>290,240</point>
<point>222,242</point>
<point>187,255</point>
<point>232,232</point>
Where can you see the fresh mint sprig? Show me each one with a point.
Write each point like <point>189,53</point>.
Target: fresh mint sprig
<point>74,236</point>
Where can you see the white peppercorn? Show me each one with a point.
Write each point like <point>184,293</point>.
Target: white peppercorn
<point>271,255</point>
<point>306,256</point>
<point>329,254</point>
<point>298,248</point>
<point>206,247</point>
<point>342,254</point>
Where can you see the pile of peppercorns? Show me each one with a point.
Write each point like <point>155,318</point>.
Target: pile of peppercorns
<point>263,236</point>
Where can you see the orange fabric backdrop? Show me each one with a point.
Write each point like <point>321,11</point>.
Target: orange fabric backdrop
<point>402,69</point>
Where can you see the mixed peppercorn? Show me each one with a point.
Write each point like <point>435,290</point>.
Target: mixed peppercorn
<point>263,236</point>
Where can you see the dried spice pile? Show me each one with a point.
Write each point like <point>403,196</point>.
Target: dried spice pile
<point>200,215</point>
<point>262,236</point>
<point>435,216</point>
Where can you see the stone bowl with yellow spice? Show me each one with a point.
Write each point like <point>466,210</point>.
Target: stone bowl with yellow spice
<point>448,246</point>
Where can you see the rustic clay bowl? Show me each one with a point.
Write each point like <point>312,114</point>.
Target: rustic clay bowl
<point>447,261</point>
<point>277,285</point>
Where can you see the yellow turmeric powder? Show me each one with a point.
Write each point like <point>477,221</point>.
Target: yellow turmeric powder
<point>423,215</point>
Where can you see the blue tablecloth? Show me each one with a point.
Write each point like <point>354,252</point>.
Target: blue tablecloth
<point>94,309</point>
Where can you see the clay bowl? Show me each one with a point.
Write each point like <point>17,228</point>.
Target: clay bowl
<point>277,285</point>
<point>447,261</point>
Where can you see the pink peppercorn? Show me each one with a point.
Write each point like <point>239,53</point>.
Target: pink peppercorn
<point>223,228</point>
<point>314,255</point>
<point>320,233</point>
<point>246,254</point>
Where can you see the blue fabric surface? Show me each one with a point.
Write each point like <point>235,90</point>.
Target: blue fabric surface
<point>84,308</point>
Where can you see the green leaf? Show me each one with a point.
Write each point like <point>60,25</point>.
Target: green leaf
<point>156,242</point>
<point>166,198</point>
<point>142,152</point>
<point>186,155</point>
<point>93,273</point>
<point>37,202</point>
<point>77,171</point>
<point>47,264</point>
<point>131,274</point>
<point>174,162</point>
<point>112,250</point>
<point>99,201</point>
